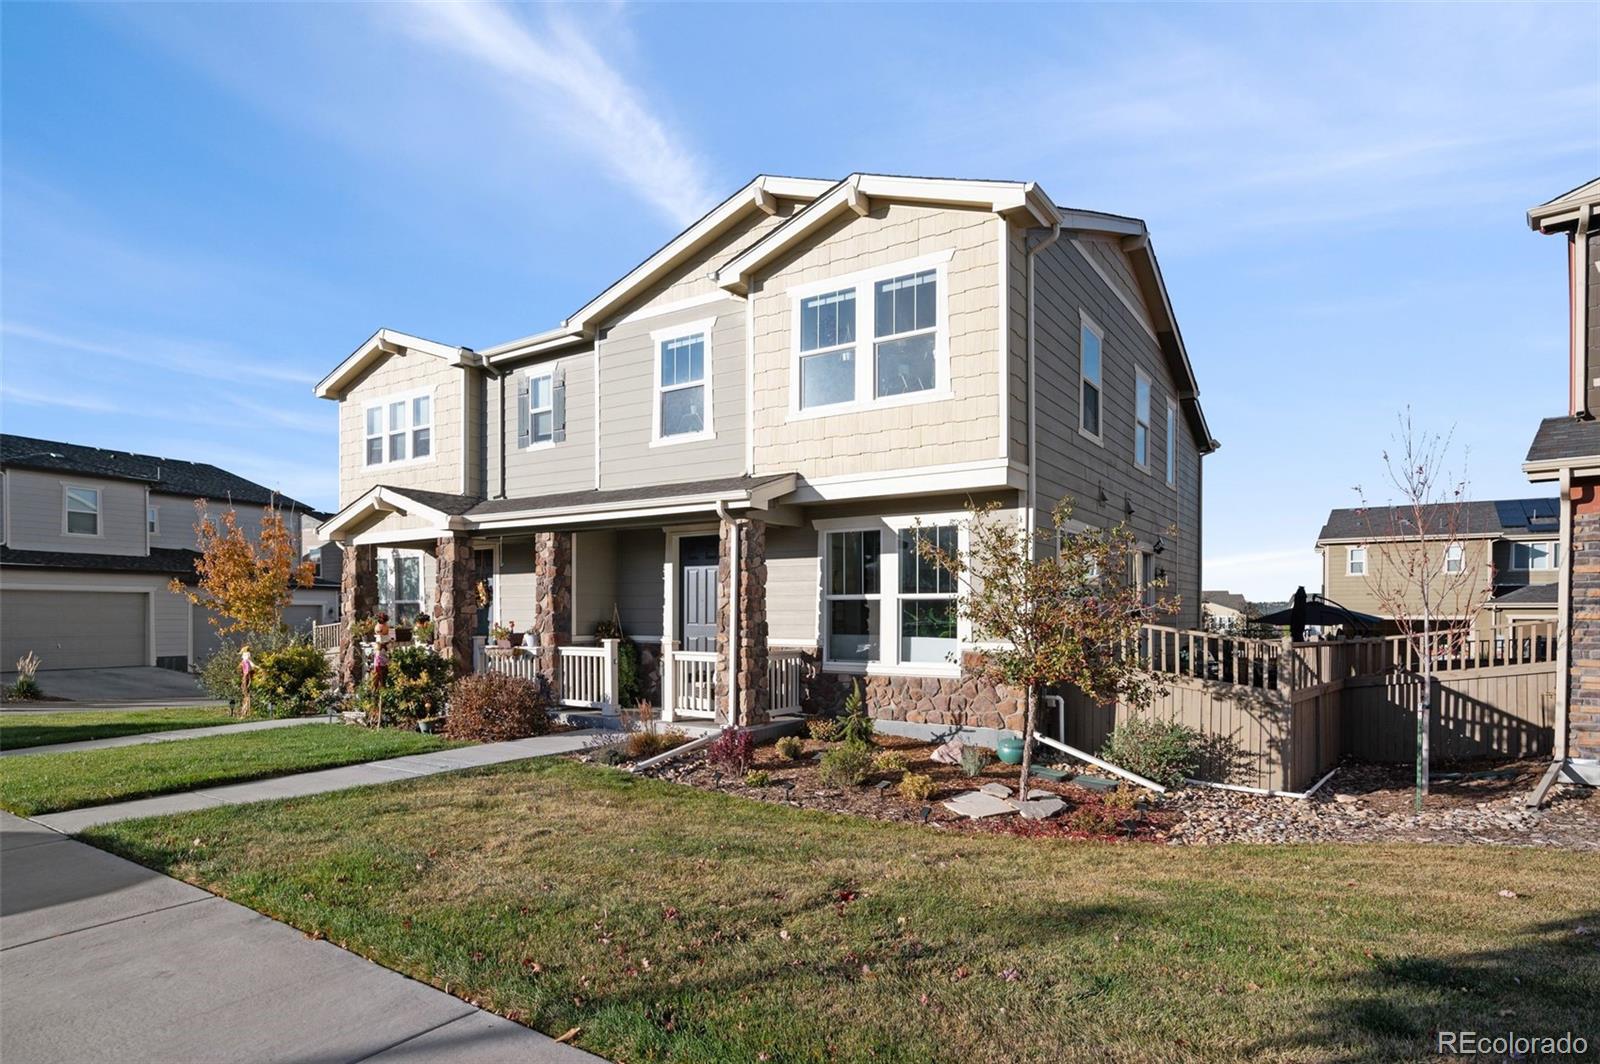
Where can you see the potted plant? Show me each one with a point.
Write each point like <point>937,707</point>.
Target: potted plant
<point>516,636</point>
<point>362,629</point>
<point>500,632</point>
<point>402,633</point>
<point>422,629</point>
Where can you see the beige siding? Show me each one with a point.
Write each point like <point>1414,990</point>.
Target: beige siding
<point>963,428</point>
<point>1017,307</point>
<point>793,580</point>
<point>1074,467</point>
<point>514,588</point>
<point>594,582</point>
<point>640,588</point>
<point>170,613</point>
<point>628,372</point>
<point>1386,563</point>
<point>176,523</point>
<point>403,375</point>
<point>691,280</point>
<point>547,468</point>
<point>38,514</point>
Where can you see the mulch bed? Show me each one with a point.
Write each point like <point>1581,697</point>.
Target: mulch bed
<point>797,783</point>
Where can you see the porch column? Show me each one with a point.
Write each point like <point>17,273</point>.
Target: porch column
<point>458,608</point>
<point>552,613</point>
<point>358,597</point>
<point>754,698</point>
<point>1583,629</point>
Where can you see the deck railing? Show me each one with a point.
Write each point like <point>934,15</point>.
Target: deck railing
<point>589,675</point>
<point>688,683</point>
<point>328,636</point>
<point>785,678</point>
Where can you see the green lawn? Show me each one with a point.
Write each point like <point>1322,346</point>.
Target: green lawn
<point>18,730</point>
<point>48,783</point>
<point>675,924</point>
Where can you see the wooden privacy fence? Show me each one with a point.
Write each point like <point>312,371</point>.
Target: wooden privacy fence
<point>1277,715</point>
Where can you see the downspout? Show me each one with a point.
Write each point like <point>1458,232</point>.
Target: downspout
<point>1032,248</point>
<point>500,378</point>
<point>1563,650</point>
<point>733,612</point>
<point>1578,286</point>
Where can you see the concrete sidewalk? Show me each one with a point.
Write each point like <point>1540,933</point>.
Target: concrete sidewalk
<point>332,779</point>
<point>162,737</point>
<point>105,960</point>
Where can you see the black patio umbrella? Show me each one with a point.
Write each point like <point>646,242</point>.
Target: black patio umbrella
<point>1314,609</point>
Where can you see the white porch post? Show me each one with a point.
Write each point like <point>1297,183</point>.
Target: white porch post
<point>669,668</point>
<point>612,677</point>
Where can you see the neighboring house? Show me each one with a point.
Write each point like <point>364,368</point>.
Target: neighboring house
<point>831,368</point>
<point>1566,450</point>
<point>1506,548</point>
<point>90,540</point>
<point>1224,610</point>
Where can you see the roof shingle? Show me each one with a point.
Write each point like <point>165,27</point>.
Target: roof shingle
<point>1491,518</point>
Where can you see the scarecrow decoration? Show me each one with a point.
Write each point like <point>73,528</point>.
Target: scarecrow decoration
<point>247,668</point>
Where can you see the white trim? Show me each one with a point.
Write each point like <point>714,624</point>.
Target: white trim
<point>1134,307</point>
<point>1460,549</point>
<point>1003,254</point>
<point>1552,554</point>
<point>749,387</point>
<point>961,476</point>
<point>382,343</point>
<point>1349,560</point>
<point>659,337</point>
<point>386,430</point>
<point>757,498</point>
<point>856,278</point>
<point>595,367</point>
<point>1171,442</point>
<point>382,500</point>
<point>1140,376</point>
<point>533,373</point>
<point>152,517</point>
<point>669,576</point>
<point>1087,323</point>
<point>661,310</point>
<point>99,511</point>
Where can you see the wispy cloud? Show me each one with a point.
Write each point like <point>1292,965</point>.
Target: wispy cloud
<point>63,401</point>
<point>186,356</point>
<point>558,71</point>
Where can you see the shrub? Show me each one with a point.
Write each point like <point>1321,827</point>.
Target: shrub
<point>855,726</point>
<point>630,681</point>
<point>790,747</point>
<point>916,787</point>
<point>422,629</point>
<point>974,759</point>
<point>758,778</point>
<point>491,707</point>
<point>1093,820</point>
<point>290,681</point>
<point>732,751</point>
<point>1160,750</point>
<point>362,629</point>
<point>890,762</point>
<point>219,674</point>
<point>418,684</point>
<point>648,743</point>
<point>823,729</point>
<point>845,766</point>
<point>1122,800</point>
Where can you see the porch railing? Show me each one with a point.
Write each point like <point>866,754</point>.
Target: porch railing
<point>328,636</point>
<point>785,674</point>
<point>589,676</point>
<point>688,684</point>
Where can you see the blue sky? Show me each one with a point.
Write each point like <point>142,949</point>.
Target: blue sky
<point>207,206</point>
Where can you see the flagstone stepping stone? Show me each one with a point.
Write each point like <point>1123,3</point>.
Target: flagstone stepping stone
<point>1050,772</point>
<point>999,790</point>
<point>949,753</point>
<point>1040,808</point>
<point>977,805</point>
<point>1096,783</point>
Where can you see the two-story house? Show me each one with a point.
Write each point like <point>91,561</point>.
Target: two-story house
<point>1566,450</point>
<point>90,540</point>
<point>1496,561</point>
<point>734,449</point>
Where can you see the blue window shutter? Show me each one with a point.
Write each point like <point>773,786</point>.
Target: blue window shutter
<point>558,403</point>
<point>522,410</point>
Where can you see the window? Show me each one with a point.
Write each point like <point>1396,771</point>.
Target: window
<point>1356,562</point>
<point>853,612</point>
<point>400,586</point>
<point>83,511</point>
<point>152,520</point>
<point>1172,444</point>
<point>1141,421</point>
<point>927,596</point>
<point>1147,579</point>
<point>1534,556</point>
<point>399,429</point>
<point>906,360</point>
<point>314,556</point>
<point>1455,558</point>
<point>541,408</point>
<point>683,387</point>
<point>1090,340</point>
<point>827,349</point>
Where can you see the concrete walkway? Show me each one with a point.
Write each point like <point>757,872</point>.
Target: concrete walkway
<point>332,779</point>
<point>106,960</point>
<point>162,737</point>
<point>137,687</point>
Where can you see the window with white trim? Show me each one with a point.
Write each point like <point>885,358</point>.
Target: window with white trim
<point>152,520</point>
<point>683,386</point>
<point>1147,579</point>
<point>541,408</point>
<point>1355,562</point>
<point>400,585</point>
<point>82,511</point>
<point>852,611</point>
<point>927,595</point>
<point>905,362</point>
<point>1455,558</point>
<point>886,604</point>
<point>1090,344</point>
<point>1141,420</point>
<point>1172,444</point>
<point>398,429</point>
<point>1534,556</point>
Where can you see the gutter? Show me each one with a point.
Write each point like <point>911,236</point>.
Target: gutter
<point>1578,286</point>
<point>1563,645</point>
<point>733,612</point>
<point>1030,251</point>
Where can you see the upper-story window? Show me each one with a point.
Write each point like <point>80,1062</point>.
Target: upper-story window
<point>82,511</point>
<point>1090,342</point>
<point>1534,556</point>
<point>541,408</point>
<point>1141,420</point>
<point>399,429</point>
<point>683,383</point>
<point>906,361</point>
<point>1455,558</point>
<point>152,520</point>
<point>1172,444</point>
<point>1356,562</point>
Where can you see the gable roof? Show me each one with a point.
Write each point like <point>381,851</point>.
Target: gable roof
<point>1228,599</point>
<point>1562,442</point>
<point>1493,518</point>
<point>1529,595</point>
<point>166,476</point>
<point>380,344</point>
<point>1567,209</point>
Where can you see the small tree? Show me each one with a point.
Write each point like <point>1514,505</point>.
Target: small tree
<point>246,583</point>
<point>1433,607</point>
<point>1051,606</point>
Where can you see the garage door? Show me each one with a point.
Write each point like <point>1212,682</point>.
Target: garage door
<point>75,629</point>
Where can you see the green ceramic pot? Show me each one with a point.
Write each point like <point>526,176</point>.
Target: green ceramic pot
<point>1009,749</point>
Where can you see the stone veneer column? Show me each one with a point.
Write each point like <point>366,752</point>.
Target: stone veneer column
<point>457,607</point>
<point>552,611</point>
<point>1583,625</point>
<point>358,597</point>
<point>755,699</point>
